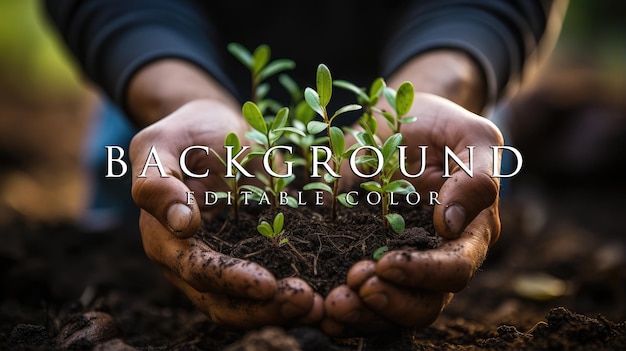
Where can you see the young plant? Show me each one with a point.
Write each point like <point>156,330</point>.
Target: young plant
<point>318,100</point>
<point>401,101</point>
<point>386,154</point>
<point>300,115</point>
<point>274,232</point>
<point>389,164</point>
<point>261,67</point>
<point>231,141</point>
<point>267,134</point>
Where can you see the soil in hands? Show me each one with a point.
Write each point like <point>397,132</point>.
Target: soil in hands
<point>319,250</point>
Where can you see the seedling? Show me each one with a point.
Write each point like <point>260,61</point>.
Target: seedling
<point>401,102</point>
<point>266,134</point>
<point>318,100</point>
<point>261,68</point>
<point>274,231</point>
<point>231,141</point>
<point>300,115</point>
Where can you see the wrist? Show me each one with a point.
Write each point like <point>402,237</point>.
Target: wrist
<point>451,74</point>
<point>163,86</point>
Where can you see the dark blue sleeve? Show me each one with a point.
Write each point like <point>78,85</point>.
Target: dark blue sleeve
<point>112,39</point>
<point>498,34</point>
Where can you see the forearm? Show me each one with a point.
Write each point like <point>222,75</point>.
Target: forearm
<point>163,86</point>
<point>451,74</point>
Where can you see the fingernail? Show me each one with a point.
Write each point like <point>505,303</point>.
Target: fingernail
<point>377,301</point>
<point>394,275</point>
<point>455,218</point>
<point>178,217</point>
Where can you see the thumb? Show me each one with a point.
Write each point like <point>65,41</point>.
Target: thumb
<point>158,188</point>
<point>463,196</point>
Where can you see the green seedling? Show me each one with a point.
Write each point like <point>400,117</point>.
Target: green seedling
<point>274,232</point>
<point>401,101</point>
<point>300,115</point>
<point>379,252</point>
<point>386,154</point>
<point>261,67</point>
<point>266,134</point>
<point>232,145</point>
<point>318,100</point>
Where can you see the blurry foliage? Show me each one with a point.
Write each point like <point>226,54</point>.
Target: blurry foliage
<point>32,56</point>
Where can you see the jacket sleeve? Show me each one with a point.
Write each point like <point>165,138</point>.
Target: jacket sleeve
<point>112,39</point>
<point>500,35</point>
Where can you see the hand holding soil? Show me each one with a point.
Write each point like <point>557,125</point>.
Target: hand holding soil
<point>410,288</point>
<point>232,292</point>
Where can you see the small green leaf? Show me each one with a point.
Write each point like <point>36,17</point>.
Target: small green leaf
<point>390,96</point>
<point>343,200</point>
<point>372,186</point>
<point>404,98</point>
<point>241,53</point>
<point>378,254</point>
<point>290,130</point>
<point>328,178</point>
<point>324,84</point>
<point>315,127</point>
<point>400,186</point>
<point>343,84</point>
<point>313,100</point>
<point>304,113</point>
<point>317,186</point>
<point>279,220</point>
<point>291,86</point>
<point>407,119</point>
<point>232,139</point>
<point>254,189</point>
<point>389,118</point>
<point>390,146</point>
<point>221,195</point>
<point>276,67</point>
<point>261,57</point>
<point>257,137</point>
<point>265,229</point>
<point>347,108</point>
<point>338,140</point>
<point>254,117</point>
<point>281,118</point>
<point>261,92</point>
<point>376,89</point>
<point>396,221</point>
<point>283,241</point>
<point>292,202</point>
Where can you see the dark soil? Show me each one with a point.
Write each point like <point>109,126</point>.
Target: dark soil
<point>319,250</point>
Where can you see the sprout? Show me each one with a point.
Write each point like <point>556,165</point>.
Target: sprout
<point>273,231</point>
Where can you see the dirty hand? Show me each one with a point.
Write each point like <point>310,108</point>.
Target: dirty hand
<point>411,288</point>
<point>232,292</point>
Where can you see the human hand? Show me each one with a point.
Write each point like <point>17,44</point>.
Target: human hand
<point>410,288</point>
<point>232,292</point>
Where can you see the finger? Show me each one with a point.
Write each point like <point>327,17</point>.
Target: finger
<point>409,309</point>
<point>293,302</point>
<point>346,314</point>
<point>359,273</point>
<point>447,268</point>
<point>463,196</point>
<point>160,189</point>
<point>202,268</point>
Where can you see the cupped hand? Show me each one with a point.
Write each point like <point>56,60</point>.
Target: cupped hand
<point>411,288</point>
<point>232,292</point>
